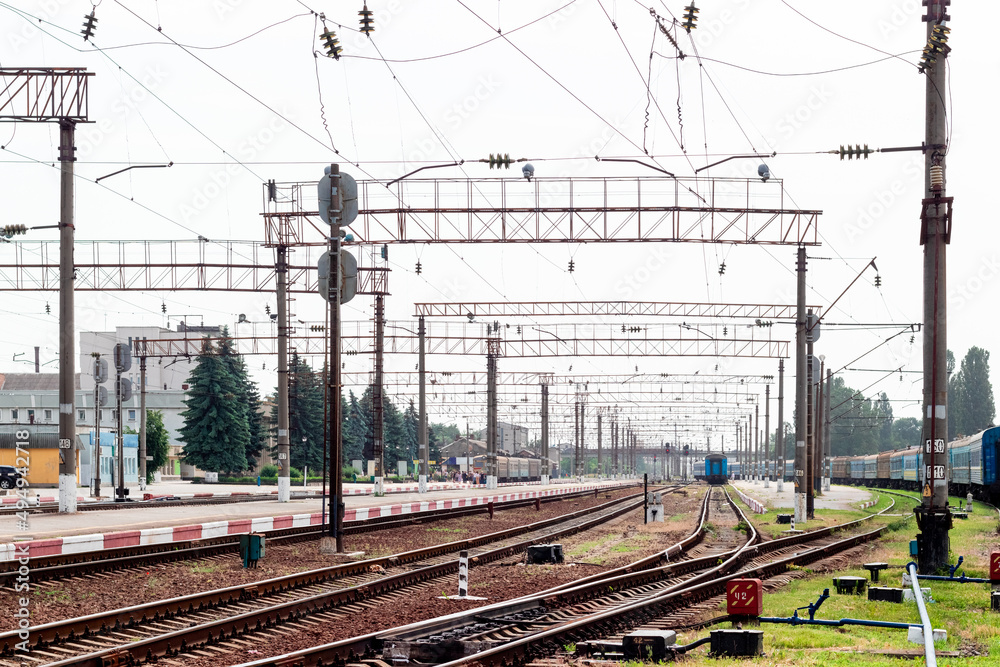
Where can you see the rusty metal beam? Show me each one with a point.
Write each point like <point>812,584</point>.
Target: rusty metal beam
<point>169,266</point>
<point>411,378</point>
<point>552,210</point>
<point>607,308</point>
<point>44,94</point>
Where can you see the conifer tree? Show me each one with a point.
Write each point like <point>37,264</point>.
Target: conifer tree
<point>215,431</point>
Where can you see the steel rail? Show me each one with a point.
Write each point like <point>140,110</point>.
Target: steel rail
<point>41,636</point>
<point>64,565</point>
<point>353,649</point>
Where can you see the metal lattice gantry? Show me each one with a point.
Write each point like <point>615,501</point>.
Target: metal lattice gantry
<point>44,94</point>
<point>551,210</point>
<point>559,340</point>
<point>534,378</point>
<point>171,266</point>
<point>608,309</point>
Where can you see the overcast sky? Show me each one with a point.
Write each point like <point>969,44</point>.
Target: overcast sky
<point>245,99</point>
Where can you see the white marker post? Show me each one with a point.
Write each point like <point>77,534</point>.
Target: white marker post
<point>463,580</point>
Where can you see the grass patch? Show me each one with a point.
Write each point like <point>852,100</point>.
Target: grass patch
<point>961,609</point>
<point>203,569</point>
<point>56,596</point>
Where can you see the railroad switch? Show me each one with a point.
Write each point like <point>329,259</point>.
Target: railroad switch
<point>540,554</point>
<point>737,643</point>
<point>850,585</point>
<point>883,594</point>
<point>874,569</point>
<point>649,644</point>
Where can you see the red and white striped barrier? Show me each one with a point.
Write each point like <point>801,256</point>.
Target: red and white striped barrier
<point>870,503</point>
<point>755,505</point>
<point>202,531</point>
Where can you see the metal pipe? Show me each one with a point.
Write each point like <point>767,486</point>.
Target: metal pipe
<point>925,620</point>
<point>795,620</point>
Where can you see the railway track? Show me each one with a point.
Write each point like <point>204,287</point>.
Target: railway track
<point>53,508</point>
<point>518,631</point>
<point>48,568</point>
<point>137,634</point>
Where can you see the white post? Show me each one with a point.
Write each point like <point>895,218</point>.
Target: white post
<point>463,574</point>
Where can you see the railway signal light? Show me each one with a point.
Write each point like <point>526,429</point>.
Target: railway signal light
<point>89,25</point>
<point>331,44</point>
<point>367,22</point>
<point>690,17</point>
<point>385,251</point>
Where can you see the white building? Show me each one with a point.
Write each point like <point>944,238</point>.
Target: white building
<point>166,380</point>
<point>510,437</point>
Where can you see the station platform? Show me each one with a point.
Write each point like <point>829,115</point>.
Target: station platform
<point>146,523</point>
<point>838,497</point>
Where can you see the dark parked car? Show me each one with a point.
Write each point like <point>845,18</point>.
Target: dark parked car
<point>8,477</point>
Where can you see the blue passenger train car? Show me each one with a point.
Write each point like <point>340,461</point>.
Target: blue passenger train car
<point>716,469</point>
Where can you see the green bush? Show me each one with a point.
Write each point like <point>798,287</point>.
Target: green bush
<point>295,472</point>
<point>270,471</point>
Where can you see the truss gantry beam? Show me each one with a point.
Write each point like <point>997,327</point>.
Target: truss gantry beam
<point>559,340</point>
<point>44,94</point>
<point>531,309</point>
<point>551,210</point>
<point>595,403</point>
<point>169,266</point>
<point>412,378</point>
<point>603,396</point>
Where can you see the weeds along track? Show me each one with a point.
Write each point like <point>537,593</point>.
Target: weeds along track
<point>166,628</point>
<point>48,568</point>
<point>603,606</point>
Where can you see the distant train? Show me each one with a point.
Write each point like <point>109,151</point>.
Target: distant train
<point>972,467</point>
<point>511,468</point>
<point>714,469</point>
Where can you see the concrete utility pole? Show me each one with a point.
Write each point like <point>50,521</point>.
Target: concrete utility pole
<point>378,415</point>
<point>600,462</point>
<point>739,455</point>
<point>826,429</point>
<point>614,447</point>
<point>819,416</point>
<point>422,435</point>
<point>492,467</point>
<point>810,425</point>
<point>334,388</point>
<point>142,423</point>
<point>583,448</point>
<point>767,432</point>
<point>284,477</point>
<point>756,443</point>
<point>576,439</point>
<point>779,438</point>
<point>67,324</point>
<point>546,463</point>
<point>801,377</point>
<point>933,518</point>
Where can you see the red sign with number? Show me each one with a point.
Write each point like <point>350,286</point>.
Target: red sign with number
<point>995,566</point>
<point>745,597</point>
